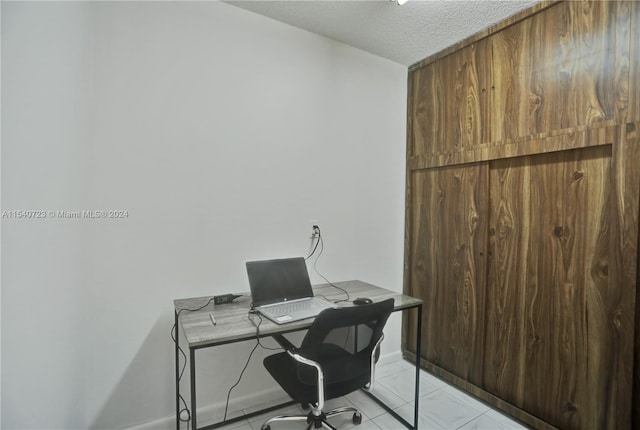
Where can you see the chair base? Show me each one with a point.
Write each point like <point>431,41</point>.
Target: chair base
<point>316,419</point>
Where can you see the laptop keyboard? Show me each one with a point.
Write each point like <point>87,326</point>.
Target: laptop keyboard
<point>289,308</point>
<point>294,311</point>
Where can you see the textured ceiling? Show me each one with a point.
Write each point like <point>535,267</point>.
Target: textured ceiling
<point>404,34</point>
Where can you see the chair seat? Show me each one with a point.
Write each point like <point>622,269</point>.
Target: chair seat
<point>345,373</point>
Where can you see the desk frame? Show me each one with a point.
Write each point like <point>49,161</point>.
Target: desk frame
<point>287,329</point>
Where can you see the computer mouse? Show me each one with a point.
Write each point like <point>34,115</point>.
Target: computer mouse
<point>362,301</point>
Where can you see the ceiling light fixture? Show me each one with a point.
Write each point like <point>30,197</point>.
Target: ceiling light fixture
<point>399,2</point>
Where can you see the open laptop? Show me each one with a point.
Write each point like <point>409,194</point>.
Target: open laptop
<point>281,290</point>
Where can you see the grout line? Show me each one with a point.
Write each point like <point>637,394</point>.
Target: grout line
<point>442,389</point>
<point>472,419</point>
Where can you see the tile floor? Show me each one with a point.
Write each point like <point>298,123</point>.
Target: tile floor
<point>441,406</point>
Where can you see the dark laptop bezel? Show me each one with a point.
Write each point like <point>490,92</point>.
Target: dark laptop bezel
<point>278,280</point>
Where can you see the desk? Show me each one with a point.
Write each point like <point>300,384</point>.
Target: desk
<point>234,326</point>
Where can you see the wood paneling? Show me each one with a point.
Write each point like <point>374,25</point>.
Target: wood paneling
<point>624,270</point>
<point>450,103</point>
<point>448,251</point>
<point>552,142</point>
<point>523,195</point>
<point>634,64</point>
<point>547,307</point>
<point>562,70</point>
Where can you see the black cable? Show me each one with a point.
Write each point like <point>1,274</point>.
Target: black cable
<point>317,238</point>
<point>184,365</point>
<point>320,241</point>
<point>184,402</point>
<point>315,262</point>
<point>239,378</point>
<point>249,315</point>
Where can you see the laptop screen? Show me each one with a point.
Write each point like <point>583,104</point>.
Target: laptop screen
<point>273,281</point>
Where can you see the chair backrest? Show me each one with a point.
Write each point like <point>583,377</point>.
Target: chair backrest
<point>369,321</point>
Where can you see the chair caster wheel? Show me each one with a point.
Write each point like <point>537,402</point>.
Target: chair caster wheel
<point>265,427</point>
<point>357,418</point>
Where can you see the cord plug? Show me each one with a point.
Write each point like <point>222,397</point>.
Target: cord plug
<point>315,232</point>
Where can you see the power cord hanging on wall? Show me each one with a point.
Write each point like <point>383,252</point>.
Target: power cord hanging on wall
<point>315,237</point>
<point>319,241</point>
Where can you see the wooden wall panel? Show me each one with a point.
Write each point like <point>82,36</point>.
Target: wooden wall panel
<point>450,103</point>
<point>505,353</point>
<point>623,270</point>
<point>547,314</point>
<point>634,64</point>
<point>551,143</point>
<point>633,154</point>
<point>565,69</point>
<point>523,202</point>
<point>447,267</point>
<point>510,74</point>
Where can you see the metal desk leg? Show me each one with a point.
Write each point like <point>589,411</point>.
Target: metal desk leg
<point>386,407</point>
<point>192,363</point>
<point>418,350</point>
<point>177,374</point>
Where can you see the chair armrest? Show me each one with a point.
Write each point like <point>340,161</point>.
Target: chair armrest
<point>293,353</point>
<point>372,378</point>
<point>320,382</point>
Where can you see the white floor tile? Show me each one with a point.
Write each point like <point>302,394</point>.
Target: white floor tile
<point>387,422</point>
<point>365,404</point>
<point>430,382</point>
<point>368,425</point>
<point>441,406</point>
<point>287,410</point>
<point>391,368</point>
<point>424,422</point>
<point>387,396</point>
<point>484,422</point>
<point>447,410</point>
<point>476,404</point>
<point>504,421</point>
<point>344,421</point>
<point>402,384</point>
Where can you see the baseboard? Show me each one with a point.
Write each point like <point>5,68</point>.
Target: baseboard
<point>390,358</point>
<point>268,396</point>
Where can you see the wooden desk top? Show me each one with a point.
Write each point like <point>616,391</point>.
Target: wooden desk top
<point>233,324</point>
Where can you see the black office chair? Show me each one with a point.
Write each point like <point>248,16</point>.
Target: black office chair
<point>321,369</point>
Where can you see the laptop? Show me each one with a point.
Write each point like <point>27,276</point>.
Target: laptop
<point>281,290</point>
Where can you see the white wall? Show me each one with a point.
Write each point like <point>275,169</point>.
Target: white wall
<point>222,133</point>
<point>45,81</point>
